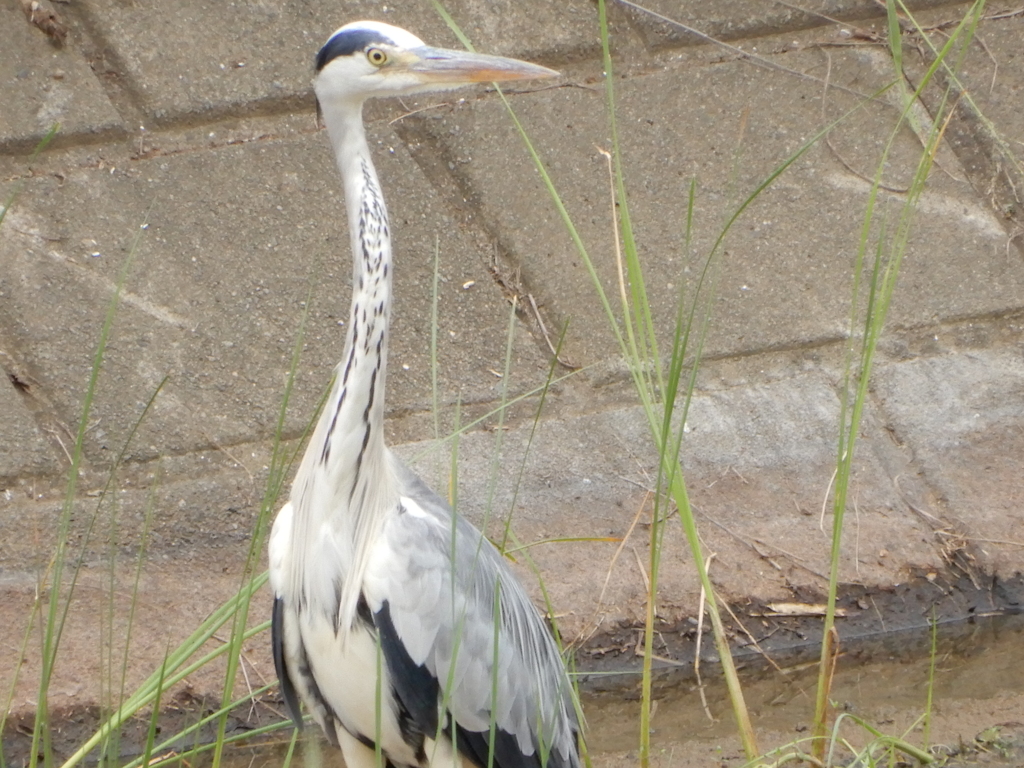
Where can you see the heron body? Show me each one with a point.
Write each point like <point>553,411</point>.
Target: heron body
<point>396,623</point>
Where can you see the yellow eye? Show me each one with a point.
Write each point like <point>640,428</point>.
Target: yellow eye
<point>376,56</point>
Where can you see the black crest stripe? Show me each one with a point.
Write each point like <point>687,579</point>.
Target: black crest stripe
<point>348,42</point>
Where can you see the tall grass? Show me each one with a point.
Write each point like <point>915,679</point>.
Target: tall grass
<point>875,272</point>
<point>57,588</point>
<point>185,659</point>
<point>52,585</point>
<point>664,381</point>
<point>37,605</point>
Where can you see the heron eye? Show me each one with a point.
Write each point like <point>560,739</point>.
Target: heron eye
<point>376,56</point>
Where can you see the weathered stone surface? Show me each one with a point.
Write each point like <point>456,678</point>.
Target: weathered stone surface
<point>758,461</point>
<point>550,31</point>
<point>42,85</point>
<point>190,58</point>
<point>24,452</point>
<point>783,274</point>
<point>987,131</point>
<point>995,82</point>
<point>961,417</point>
<point>190,519</point>
<point>234,241</point>
<point>163,605</point>
<point>665,22</point>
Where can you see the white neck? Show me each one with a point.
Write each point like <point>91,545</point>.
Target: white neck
<point>344,487</point>
<point>359,391</point>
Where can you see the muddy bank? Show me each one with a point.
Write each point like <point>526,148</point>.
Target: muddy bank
<point>872,623</point>
<point>886,640</point>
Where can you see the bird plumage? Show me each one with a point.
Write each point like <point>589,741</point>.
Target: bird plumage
<point>370,569</point>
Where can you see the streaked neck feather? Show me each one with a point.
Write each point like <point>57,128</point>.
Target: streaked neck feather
<point>345,488</point>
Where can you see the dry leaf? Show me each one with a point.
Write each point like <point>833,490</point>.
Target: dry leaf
<point>800,609</point>
<point>41,14</point>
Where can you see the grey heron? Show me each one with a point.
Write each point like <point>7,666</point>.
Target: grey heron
<point>398,625</point>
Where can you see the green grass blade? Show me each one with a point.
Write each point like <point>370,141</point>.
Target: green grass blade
<point>11,198</point>
<point>275,483</point>
<point>888,256</point>
<point>154,718</point>
<point>55,619</point>
<point>503,546</point>
<point>176,667</point>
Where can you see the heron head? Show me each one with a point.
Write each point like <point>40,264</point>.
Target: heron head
<point>370,58</point>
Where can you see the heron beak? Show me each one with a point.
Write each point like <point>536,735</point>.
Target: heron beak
<point>440,66</point>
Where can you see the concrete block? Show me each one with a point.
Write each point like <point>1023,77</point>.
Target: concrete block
<point>541,31</point>
<point>193,57</point>
<point>994,76</point>
<point>24,451</point>
<point>987,131</point>
<point>758,461</point>
<point>662,23</point>
<point>783,275</point>
<point>42,85</point>
<point>978,105</point>
<point>163,605</point>
<point>962,419</point>
<point>236,240</point>
<point>201,511</point>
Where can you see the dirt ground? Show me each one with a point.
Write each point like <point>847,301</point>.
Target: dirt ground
<point>882,677</point>
<point>977,715</point>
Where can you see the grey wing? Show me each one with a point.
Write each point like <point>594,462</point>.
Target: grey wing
<point>433,585</point>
